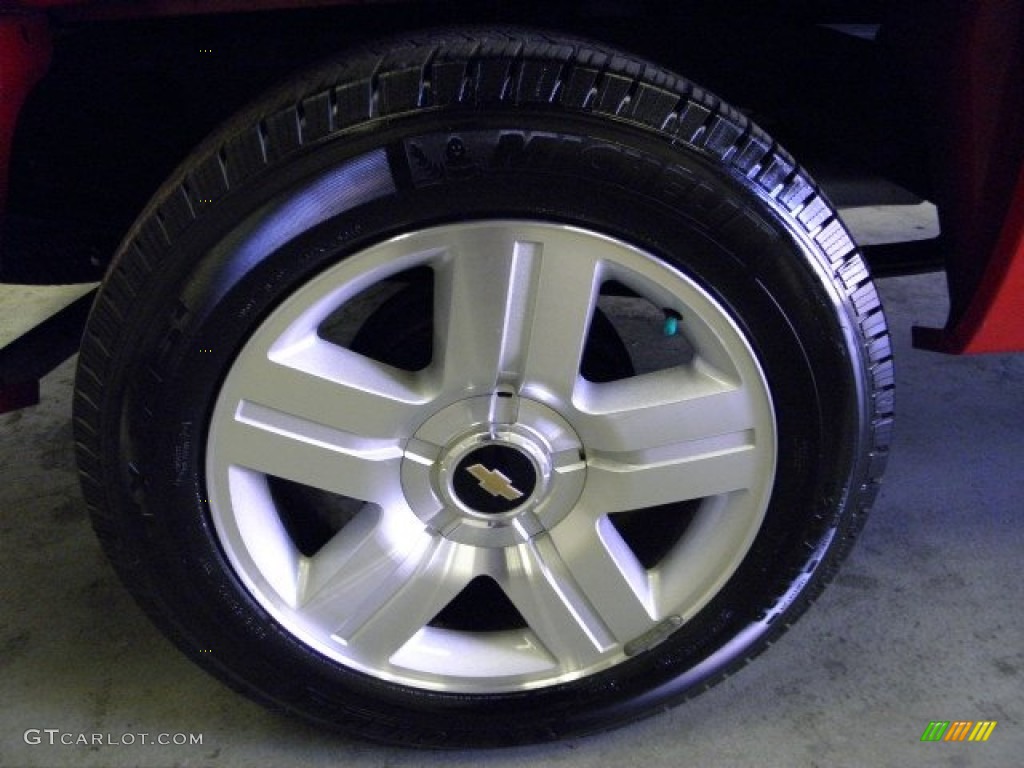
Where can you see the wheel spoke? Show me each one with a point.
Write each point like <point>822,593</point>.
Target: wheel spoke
<point>473,290</point>
<point>258,535</point>
<point>682,472</point>
<point>608,573</point>
<point>576,596</point>
<point>326,384</point>
<point>677,405</point>
<point>565,296</point>
<point>542,589</point>
<point>672,435</point>
<point>514,313</point>
<point>362,553</point>
<point>309,453</point>
<point>379,598</point>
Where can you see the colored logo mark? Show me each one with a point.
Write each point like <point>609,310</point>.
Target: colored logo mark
<point>958,730</point>
<point>495,482</point>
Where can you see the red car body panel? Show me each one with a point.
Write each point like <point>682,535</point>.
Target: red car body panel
<point>24,57</point>
<point>982,186</point>
<point>984,205</point>
<point>993,320</point>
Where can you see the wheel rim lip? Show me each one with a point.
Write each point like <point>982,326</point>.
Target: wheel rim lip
<point>233,488</point>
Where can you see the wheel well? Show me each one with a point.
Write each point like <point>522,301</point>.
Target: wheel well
<point>125,101</point>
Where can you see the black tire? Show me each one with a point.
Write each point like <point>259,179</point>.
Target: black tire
<point>500,133</point>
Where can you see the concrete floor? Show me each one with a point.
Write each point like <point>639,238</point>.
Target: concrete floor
<point>925,622</point>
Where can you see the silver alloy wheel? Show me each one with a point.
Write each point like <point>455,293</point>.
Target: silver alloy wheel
<point>503,413</point>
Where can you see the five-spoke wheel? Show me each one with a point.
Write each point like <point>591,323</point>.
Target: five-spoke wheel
<point>498,461</point>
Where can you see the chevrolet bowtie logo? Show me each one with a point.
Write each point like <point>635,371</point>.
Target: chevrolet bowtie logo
<point>494,482</point>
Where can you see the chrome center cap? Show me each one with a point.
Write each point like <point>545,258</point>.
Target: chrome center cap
<point>496,477</point>
<point>494,473</point>
<point>493,483</point>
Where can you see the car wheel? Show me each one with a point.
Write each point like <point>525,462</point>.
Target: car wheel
<point>482,388</point>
